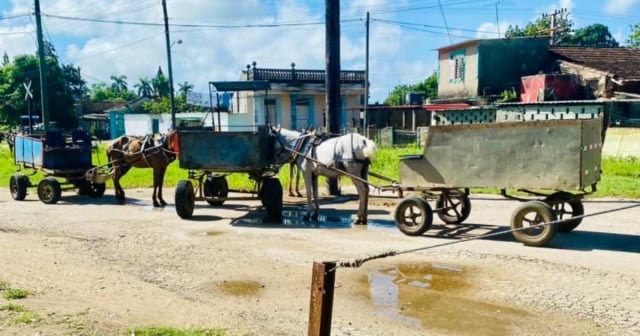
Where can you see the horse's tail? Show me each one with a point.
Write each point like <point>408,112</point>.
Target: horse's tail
<point>369,150</point>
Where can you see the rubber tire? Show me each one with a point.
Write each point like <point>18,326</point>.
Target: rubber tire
<point>49,190</point>
<point>544,214</point>
<point>18,185</point>
<point>216,186</point>
<point>185,199</point>
<point>96,190</point>
<point>560,198</point>
<point>420,221</point>
<point>461,210</point>
<point>271,197</point>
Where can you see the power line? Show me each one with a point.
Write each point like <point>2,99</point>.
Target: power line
<point>183,25</point>
<point>410,24</point>
<point>444,18</point>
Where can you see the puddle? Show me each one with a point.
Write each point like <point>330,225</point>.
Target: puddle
<point>437,296</point>
<point>237,287</point>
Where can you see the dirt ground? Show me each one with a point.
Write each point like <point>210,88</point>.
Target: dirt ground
<point>93,267</point>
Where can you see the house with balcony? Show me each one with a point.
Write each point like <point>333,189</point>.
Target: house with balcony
<point>295,98</point>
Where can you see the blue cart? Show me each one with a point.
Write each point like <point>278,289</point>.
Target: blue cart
<point>210,154</point>
<point>64,162</point>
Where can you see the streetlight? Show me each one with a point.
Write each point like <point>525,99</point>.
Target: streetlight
<point>176,41</point>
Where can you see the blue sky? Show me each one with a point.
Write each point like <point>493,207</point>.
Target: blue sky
<point>219,38</point>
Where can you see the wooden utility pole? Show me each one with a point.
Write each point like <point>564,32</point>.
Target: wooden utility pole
<point>553,24</point>
<point>366,79</point>
<point>332,50</point>
<point>172,103</point>
<point>44,97</point>
<point>332,79</point>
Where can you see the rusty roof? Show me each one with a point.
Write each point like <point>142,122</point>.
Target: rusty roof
<point>622,63</point>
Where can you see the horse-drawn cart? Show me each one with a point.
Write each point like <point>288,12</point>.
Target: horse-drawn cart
<point>64,162</point>
<point>555,161</point>
<point>210,154</point>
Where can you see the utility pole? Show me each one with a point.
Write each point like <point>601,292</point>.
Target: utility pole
<point>168,43</point>
<point>366,78</point>
<point>553,24</point>
<point>332,79</point>
<point>498,19</point>
<point>44,98</point>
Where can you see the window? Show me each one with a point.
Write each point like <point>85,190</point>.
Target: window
<point>457,67</point>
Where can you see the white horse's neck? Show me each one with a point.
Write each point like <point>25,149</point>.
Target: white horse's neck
<point>289,135</point>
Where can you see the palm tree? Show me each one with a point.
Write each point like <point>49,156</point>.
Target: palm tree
<point>119,84</point>
<point>185,88</point>
<point>145,89</point>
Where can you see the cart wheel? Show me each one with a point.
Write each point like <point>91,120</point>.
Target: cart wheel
<point>565,205</point>
<point>455,206</point>
<point>271,197</point>
<point>413,216</point>
<point>216,186</point>
<point>18,185</point>
<point>49,190</point>
<point>96,190</point>
<point>184,199</point>
<point>530,214</point>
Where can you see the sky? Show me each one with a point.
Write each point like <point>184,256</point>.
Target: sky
<point>214,40</point>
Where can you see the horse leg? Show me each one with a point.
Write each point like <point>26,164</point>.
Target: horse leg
<point>158,181</point>
<point>308,176</point>
<point>298,194</point>
<point>316,202</point>
<point>118,173</point>
<point>291,168</point>
<point>363,195</point>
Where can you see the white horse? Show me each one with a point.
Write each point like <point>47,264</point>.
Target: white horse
<point>333,157</point>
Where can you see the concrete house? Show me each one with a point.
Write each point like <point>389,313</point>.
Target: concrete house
<point>296,98</point>
<point>487,67</point>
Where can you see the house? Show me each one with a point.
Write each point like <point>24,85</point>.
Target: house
<point>296,98</point>
<point>487,67</point>
<point>603,71</point>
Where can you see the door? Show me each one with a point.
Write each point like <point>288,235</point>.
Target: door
<point>155,126</point>
<point>302,113</point>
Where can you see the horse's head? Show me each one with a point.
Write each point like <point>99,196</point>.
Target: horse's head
<point>282,144</point>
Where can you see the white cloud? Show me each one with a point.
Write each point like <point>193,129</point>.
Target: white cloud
<point>619,6</point>
<point>206,54</point>
<point>490,30</point>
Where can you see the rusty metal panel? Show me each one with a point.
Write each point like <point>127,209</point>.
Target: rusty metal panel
<point>591,151</point>
<point>223,151</point>
<point>527,155</point>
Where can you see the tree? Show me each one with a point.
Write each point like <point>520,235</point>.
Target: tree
<point>64,84</point>
<point>634,38</point>
<point>541,27</point>
<point>144,87</point>
<point>428,89</point>
<point>596,35</point>
<point>184,89</point>
<point>119,84</point>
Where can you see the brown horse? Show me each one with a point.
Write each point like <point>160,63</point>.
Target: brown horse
<point>153,151</point>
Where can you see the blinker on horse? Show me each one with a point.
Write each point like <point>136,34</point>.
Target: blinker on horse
<point>155,151</point>
<point>333,157</point>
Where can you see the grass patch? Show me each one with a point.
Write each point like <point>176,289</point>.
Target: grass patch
<point>4,285</point>
<point>169,331</point>
<point>27,318</point>
<point>15,294</point>
<point>12,307</point>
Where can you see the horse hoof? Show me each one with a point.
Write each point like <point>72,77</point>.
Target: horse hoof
<point>360,222</point>
<point>299,195</point>
<point>314,217</point>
